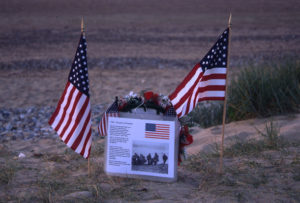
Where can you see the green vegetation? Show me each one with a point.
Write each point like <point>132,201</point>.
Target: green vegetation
<point>257,91</point>
<point>206,114</point>
<point>265,90</point>
<point>271,136</point>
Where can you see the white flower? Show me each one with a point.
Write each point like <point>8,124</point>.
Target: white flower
<point>131,93</point>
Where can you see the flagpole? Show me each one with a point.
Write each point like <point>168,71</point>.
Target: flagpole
<point>82,32</point>
<point>89,168</point>
<point>225,99</point>
<point>82,26</point>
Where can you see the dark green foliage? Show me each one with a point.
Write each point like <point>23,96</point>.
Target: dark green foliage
<point>132,103</point>
<point>206,114</point>
<point>264,91</point>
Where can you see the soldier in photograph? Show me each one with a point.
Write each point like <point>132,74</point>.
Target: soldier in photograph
<point>142,159</point>
<point>149,159</point>
<point>165,157</point>
<point>155,159</point>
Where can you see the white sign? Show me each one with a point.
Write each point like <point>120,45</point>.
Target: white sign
<point>142,148</point>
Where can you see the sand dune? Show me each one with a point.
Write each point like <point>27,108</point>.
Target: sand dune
<point>244,130</point>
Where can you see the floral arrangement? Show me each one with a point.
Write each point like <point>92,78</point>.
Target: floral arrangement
<point>185,138</point>
<point>148,100</point>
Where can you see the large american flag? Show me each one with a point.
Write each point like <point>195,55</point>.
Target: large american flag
<point>206,81</point>
<point>112,111</point>
<point>72,117</point>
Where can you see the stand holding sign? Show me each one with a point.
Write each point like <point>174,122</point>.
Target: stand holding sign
<point>143,145</point>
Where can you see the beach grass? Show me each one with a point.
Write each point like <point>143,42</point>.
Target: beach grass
<point>257,91</point>
<point>265,90</point>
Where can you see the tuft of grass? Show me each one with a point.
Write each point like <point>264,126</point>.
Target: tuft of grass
<point>240,148</point>
<point>45,195</point>
<point>121,188</point>
<point>265,90</point>
<point>54,157</point>
<point>271,140</point>
<point>71,155</point>
<point>5,152</point>
<point>271,136</point>
<point>202,161</point>
<point>253,164</point>
<point>98,149</point>
<point>97,192</point>
<point>7,172</point>
<point>205,114</point>
<point>51,184</point>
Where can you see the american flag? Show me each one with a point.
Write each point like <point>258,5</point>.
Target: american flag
<point>72,117</point>
<point>206,81</point>
<point>157,131</point>
<point>112,111</point>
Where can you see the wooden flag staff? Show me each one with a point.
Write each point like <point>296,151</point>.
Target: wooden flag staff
<point>225,99</point>
<point>82,26</point>
<point>82,31</point>
<point>89,168</point>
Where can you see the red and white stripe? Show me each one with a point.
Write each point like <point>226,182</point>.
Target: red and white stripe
<point>72,120</point>
<point>199,86</point>
<point>103,125</point>
<point>162,131</point>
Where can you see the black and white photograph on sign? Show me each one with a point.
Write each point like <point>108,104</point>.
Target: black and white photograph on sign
<point>150,157</point>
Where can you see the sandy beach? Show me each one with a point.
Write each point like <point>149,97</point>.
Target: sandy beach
<point>133,46</point>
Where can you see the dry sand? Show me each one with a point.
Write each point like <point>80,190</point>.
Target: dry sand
<point>52,172</point>
<point>135,45</point>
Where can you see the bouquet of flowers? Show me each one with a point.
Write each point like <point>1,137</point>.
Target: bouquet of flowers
<point>185,138</point>
<point>147,100</point>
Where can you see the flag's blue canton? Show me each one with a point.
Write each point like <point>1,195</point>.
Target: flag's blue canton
<point>217,55</point>
<point>79,72</point>
<point>150,127</point>
<point>113,108</point>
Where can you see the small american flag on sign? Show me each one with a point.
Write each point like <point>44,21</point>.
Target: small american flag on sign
<point>157,131</point>
<point>103,125</point>
<point>112,111</point>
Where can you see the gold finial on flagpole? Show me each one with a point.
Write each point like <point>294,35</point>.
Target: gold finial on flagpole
<point>229,20</point>
<point>82,25</point>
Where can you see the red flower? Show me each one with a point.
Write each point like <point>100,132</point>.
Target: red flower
<point>185,139</point>
<point>122,106</point>
<point>155,98</point>
<point>148,95</point>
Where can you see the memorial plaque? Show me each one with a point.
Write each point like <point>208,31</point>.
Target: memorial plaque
<point>142,145</point>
